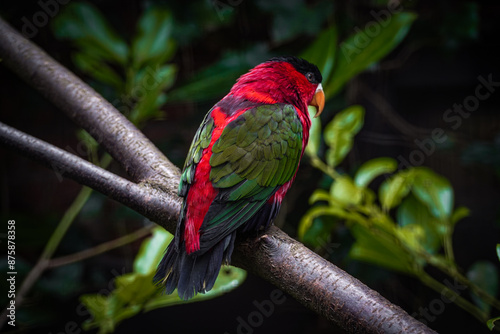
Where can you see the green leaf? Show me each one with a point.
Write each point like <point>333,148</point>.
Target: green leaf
<point>379,251</point>
<point>434,191</point>
<point>153,43</point>
<point>491,323</point>
<point>485,275</point>
<point>459,214</point>
<point>373,168</point>
<point>133,289</point>
<point>215,80</point>
<point>339,133</point>
<point>368,197</point>
<point>229,278</point>
<point>498,251</point>
<point>349,120</point>
<point>149,85</point>
<point>151,251</point>
<point>207,84</point>
<point>87,138</point>
<point>322,51</point>
<point>319,195</point>
<point>86,26</point>
<point>366,47</point>
<point>392,190</point>
<point>412,212</point>
<point>135,292</point>
<point>411,235</point>
<point>312,147</point>
<point>319,234</point>
<point>345,192</point>
<point>98,70</point>
<point>97,305</point>
<point>318,211</point>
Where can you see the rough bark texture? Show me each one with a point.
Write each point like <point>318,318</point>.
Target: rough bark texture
<point>288,264</point>
<point>322,286</point>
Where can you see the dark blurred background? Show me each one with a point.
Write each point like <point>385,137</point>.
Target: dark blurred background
<point>406,96</point>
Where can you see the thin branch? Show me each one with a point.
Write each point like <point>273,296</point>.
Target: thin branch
<point>66,221</point>
<point>102,248</point>
<point>391,115</point>
<point>288,264</point>
<point>43,261</point>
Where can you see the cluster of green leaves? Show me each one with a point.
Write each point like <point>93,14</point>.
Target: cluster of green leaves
<point>132,75</point>
<point>135,291</point>
<point>290,19</point>
<point>424,201</point>
<point>100,51</point>
<point>340,61</point>
<point>404,228</point>
<point>412,219</point>
<point>216,79</point>
<point>338,66</point>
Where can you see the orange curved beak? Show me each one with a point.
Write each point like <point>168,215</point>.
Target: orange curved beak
<point>318,100</point>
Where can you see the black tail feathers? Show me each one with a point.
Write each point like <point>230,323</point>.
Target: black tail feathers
<point>192,273</point>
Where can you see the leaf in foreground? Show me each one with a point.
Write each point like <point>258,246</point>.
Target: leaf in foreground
<point>135,291</point>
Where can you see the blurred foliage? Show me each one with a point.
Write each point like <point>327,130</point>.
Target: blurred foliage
<point>364,48</point>
<point>406,225</point>
<point>216,79</point>
<point>289,22</point>
<point>138,79</point>
<point>135,291</point>
<point>413,217</point>
<point>136,74</point>
<point>460,25</point>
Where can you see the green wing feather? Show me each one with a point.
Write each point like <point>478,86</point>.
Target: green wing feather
<point>255,155</point>
<point>263,144</point>
<point>200,142</point>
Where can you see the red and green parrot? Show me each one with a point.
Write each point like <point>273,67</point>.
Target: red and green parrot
<point>241,163</point>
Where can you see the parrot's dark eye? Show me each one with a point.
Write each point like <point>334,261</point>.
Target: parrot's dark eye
<point>310,71</point>
<point>310,76</point>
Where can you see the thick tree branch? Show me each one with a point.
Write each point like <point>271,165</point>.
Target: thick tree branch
<point>322,286</point>
<point>144,197</point>
<point>275,256</point>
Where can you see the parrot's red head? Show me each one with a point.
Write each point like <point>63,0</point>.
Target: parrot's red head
<point>288,80</point>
